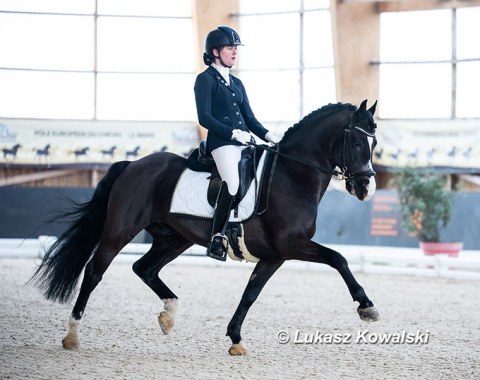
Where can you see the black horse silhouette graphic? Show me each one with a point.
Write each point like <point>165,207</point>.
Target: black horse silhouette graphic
<point>132,153</point>
<point>109,152</point>
<point>45,152</point>
<point>11,151</point>
<point>81,152</point>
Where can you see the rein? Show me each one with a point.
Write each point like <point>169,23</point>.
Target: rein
<point>294,159</point>
<point>342,173</point>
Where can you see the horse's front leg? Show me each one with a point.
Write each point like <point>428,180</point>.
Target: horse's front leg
<point>314,252</point>
<point>261,274</point>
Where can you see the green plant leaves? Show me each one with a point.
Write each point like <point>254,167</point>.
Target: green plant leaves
<point>425,203</point>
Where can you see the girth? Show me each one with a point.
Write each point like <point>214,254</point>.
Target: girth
<point>200,160</point>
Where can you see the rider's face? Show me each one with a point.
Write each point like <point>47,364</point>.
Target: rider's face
<point>228,54</point>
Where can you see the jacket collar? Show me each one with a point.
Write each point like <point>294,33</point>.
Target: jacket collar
<point>224,71</point>
<point>211,70</point>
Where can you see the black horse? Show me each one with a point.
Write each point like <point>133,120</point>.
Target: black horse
<point>136,195</point>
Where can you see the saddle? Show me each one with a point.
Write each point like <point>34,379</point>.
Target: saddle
<point>200,160</point>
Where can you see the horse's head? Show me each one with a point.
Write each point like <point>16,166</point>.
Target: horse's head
<point>359,142</point>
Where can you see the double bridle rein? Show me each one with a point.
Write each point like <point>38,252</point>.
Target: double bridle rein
<point>342,174</point>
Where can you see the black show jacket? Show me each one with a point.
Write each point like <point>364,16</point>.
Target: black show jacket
<point>221,108</point>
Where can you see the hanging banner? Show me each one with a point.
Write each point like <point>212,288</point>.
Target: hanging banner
<point>79,142</point>
<point>429,143</point>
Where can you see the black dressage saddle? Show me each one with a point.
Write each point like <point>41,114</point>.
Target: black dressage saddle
<point>200,160</point>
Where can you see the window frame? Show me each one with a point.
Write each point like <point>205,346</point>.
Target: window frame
<point>453,61</point>
<point>301,68</point>
<point>94,71</point>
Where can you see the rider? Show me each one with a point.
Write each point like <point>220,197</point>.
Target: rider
<point>223,109</point>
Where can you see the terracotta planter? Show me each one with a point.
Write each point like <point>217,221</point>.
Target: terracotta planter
<point>451,249</point>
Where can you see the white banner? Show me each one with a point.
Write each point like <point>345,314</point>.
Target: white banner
<point>428,143</point>
<point>79,142</point>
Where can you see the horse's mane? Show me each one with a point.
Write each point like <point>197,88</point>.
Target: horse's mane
<point>320,113</point>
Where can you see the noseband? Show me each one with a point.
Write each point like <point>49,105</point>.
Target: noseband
<point>346,155</point>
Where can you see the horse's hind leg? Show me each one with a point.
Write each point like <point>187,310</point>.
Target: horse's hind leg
<point>167,245</point>
<point>94,271</point>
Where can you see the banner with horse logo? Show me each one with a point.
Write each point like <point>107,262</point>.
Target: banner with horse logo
<point>82,142</point>
<point>438,144</point>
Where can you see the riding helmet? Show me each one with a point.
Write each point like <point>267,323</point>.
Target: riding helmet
<point>222,36</point>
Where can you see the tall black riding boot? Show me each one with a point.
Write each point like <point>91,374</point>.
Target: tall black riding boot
<point>216,249</point>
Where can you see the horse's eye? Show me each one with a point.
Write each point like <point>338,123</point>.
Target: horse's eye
<point>356,144</point>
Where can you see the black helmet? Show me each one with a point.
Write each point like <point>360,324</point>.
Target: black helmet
<point>222,36</point>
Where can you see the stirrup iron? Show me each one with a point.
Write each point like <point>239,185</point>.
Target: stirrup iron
<point>217,247</point>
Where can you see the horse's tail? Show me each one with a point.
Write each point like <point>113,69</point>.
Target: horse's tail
<point>63,263</point>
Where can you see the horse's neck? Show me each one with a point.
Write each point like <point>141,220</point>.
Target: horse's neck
<point>306,178</point>
<point>318,145</point>
<point>306,181</point>
<point>315,143</point>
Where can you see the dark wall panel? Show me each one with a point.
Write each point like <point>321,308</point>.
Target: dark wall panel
<point>342,219</point>
<point>27,212</point>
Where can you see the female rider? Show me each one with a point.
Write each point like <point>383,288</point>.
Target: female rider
<point>223,109</point>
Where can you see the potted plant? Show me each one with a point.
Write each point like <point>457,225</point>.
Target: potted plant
<point>426,208</point>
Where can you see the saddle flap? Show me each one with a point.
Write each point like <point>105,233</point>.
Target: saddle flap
<point>246,170</point>
<point>190,195</point>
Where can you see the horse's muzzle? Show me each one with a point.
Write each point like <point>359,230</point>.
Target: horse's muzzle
<point>362,187</point>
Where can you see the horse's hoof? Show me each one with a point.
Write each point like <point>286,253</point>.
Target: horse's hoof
<point>166,322</point>
<point>166,319</point>
<point>368,314</point>
<point>71,342</point>
<point>238,349</point>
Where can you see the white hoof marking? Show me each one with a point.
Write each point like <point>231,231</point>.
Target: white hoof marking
<point>166,319</point>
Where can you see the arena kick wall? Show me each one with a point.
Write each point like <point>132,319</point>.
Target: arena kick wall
<point>27,212</point>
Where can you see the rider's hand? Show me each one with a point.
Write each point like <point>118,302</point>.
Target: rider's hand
<point>241,136</point>
<point>272,137</point>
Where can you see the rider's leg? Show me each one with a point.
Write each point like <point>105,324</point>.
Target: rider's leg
<point>216,248</point>
<point>226,158</point>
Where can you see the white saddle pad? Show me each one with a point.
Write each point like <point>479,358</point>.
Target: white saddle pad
<point>190,195</point>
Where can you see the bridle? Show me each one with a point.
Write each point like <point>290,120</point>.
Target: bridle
<point>343,173</point>
<point>346,154</point>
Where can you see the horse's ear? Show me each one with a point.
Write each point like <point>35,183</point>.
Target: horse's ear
<point>363,106</point>
<point>372,108</point>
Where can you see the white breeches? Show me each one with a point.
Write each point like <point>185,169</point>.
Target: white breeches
<point>226,158</point>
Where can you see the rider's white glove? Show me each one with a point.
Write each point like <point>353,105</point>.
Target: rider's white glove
<point>241,136</point>
<point>273,138</point>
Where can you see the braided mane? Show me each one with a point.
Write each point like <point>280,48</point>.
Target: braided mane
<point>314,116</point>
